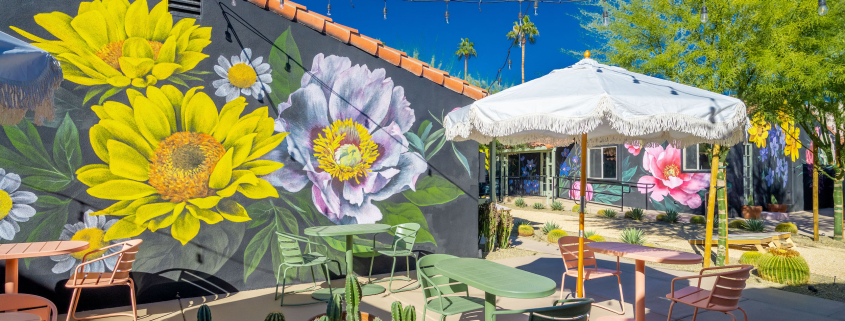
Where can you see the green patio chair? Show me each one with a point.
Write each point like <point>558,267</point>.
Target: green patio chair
<point>404,237</point>
<point>293,257</point>
<point>572,310</point>
<point>436,289</point>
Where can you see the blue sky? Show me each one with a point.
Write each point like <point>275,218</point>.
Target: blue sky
<point>422,25</point>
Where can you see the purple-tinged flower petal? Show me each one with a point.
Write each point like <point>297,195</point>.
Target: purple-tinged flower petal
<point>411,166</point>
<point>400,111</point>
<point>391,144</point>
<point>362,95</point>
<point>324,71</point>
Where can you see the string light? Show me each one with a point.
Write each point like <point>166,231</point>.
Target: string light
<point>479,6</point>
<point>704,12</point>
<point>509,64</point>
<point>329,8</point>
<point>233,3</point>
<point>447,11</point>
<point>281,4</point>
<point>604,13</point>
<point>520,11</point>
<point>385,9</point>
<point>536,4</point>
<point>822,7</point>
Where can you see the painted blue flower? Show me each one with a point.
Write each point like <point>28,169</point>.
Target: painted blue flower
<point>770,178</point>
<point>564,169</point>
<point>530,165</point>
<point>764,154</point>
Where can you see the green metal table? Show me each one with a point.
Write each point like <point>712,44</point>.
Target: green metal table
<point>496,280</point>
<point>348,231</point>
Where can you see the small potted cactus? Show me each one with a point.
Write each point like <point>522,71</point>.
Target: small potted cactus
<point>775,207</point>
<point>334,310</point>
<point>750,211</point>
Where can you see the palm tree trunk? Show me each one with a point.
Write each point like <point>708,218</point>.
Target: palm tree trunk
<point>523,60</point>
<point>465,67</point>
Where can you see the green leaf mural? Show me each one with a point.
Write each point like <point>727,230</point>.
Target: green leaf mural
<point>433,190</point>
<point>30,158</point>
<point>399,213</point>
<point>287,71</point>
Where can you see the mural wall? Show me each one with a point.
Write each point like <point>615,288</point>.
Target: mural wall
<point>204,137</point>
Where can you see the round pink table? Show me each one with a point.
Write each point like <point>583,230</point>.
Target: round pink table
<point>14,251</point>
<point>641,254</point>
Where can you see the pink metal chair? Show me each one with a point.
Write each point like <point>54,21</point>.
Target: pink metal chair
<point>28,303</point>
<point>723,297</point>
<point>569,251</point>
<point>120,276</point>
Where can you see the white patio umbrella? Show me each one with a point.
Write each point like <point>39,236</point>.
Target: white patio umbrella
<point>603,105</point>
<point>28,78</point>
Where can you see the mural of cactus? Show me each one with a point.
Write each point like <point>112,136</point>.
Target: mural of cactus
<point>554,235</point>
<point>353,298</point>
<point>204,313</point>
<point>785,266</point>
<point>786,227</point>
<point>750,258</point>
<point>275,316</point>
<point>526,230</point>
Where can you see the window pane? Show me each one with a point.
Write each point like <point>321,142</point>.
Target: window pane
<point>704,156</point>
<point>691,157</point>
<point>594,170</point>
<point>610,162</point>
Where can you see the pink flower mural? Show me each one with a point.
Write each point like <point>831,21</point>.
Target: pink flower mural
<point>665,168</point>
<point>633,148</point>
<point>575,192</point>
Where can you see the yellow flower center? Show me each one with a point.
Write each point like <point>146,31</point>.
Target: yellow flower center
<point>346,150</point>
<point>5,204</point>
<point>112,52</point>
<point>242,75</point>
<point>94,237</point>
<point>671,170</point>
<point>182,164</point>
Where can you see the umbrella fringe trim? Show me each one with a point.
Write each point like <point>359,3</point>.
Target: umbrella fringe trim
<point>17,97</point>
<point>729,132</point>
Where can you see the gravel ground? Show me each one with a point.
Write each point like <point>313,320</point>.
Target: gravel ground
<point>824,257</point>
<point>511,252</point>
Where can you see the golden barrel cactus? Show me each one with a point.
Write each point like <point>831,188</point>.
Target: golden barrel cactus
<point>554,235</point>
<point>526,230</point>
<point>785,266</point>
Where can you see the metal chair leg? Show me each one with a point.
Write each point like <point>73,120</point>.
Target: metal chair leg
<point>671,306</point>
<point>328,280</point>
<point>745,316</point>
<point>370,276</point>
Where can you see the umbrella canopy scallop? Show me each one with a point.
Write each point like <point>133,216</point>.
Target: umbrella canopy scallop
<point>610,104</point>
<point>28,78</point>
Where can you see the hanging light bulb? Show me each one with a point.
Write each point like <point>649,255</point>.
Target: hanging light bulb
<point>604,13</point>
<point>536,4</point>
<point>233,3</point>
<point>822,7</point>
<point>329,8</point>
<point>509,64</point>
<point>447,11</point>
<point>385,9</point>
<point>704,12</point>
<point>281,4</point>
<point>479,6</point>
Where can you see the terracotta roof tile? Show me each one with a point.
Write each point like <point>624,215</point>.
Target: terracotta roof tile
<point>299,13</point>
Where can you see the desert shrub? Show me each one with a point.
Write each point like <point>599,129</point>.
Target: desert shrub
<point>661,217</point>
<point>557,206</point>
<point>520,202</point>
<point>636,214</point>
<point>632,236</point>
<point>786,227</point>
<point>539,206</point>
<point>609,213</point>
<point>698,219</point>
<point>671,216</point>
<point>740,223</point>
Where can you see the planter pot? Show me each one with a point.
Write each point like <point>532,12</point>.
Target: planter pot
<point>364,317</point>
<point>751,212</point>
<point>779,208</point>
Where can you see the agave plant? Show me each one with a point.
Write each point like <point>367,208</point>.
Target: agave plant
<point>520,202</point>
<point>539,206</point>
<point>636,214</point>
<point>557,206</point>
<point>671,216</point>
<point>632,236</point>
<point>549,226</point>
<point>610,213</point>
<point>755,225</point>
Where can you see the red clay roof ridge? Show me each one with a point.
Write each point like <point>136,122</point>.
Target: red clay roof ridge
<point>299,13</point>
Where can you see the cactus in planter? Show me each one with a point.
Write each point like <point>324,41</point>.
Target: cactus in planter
<point>334,308</point>
<point>204,313</point>
<point>353,298</point>
<point>398,314</point>
<point>750,258</point>
<point>576,208</point>
<point>785,266</point>
<point>786,227</point>
<point>554,235</point>
<point>275,316</point>
<point>526,230</point>
<point>557,206</point>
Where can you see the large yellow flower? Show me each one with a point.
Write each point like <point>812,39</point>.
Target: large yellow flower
<point>792,134</point>
<point>115,43</point>
<point>172,160</point>
<point>759,131</point>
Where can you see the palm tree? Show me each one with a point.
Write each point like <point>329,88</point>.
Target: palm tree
<point>466,50</point>
<point>523,31</point>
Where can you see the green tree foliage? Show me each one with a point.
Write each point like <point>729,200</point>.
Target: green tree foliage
<point>466,50</point>
<point>523,32</point>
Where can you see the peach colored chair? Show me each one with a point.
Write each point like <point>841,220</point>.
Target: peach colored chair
<point>120,276</point>
<point>28,303</point>
<point>723,297</point>
<point>569,251</point>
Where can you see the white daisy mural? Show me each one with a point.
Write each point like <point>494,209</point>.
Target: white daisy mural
<point>92,229</point>
<point>242,75</point>
<point>14,205</point>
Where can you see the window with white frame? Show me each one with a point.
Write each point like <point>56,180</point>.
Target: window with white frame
<point>697,158</point>
<point>601,162</point>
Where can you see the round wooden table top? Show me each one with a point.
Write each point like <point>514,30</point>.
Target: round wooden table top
<point>39,249</point>
<point>19,316</point>
<point>644,253</point>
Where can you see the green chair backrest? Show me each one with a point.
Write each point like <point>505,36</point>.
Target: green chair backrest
<point>433,283</point>
<point>572,310</point>
<point>289,247</point>
<point>405,235</point>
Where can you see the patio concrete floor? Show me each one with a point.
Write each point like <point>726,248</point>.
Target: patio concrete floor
<point>760,303</point>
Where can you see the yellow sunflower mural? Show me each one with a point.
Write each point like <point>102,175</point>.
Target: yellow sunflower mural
<point>759,131</point>
<point>791,136</point>
<point>113,44</point>
<point>171,160</point>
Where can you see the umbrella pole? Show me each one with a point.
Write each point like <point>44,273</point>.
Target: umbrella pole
<point>711,205</point>
<point>579,289</point>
